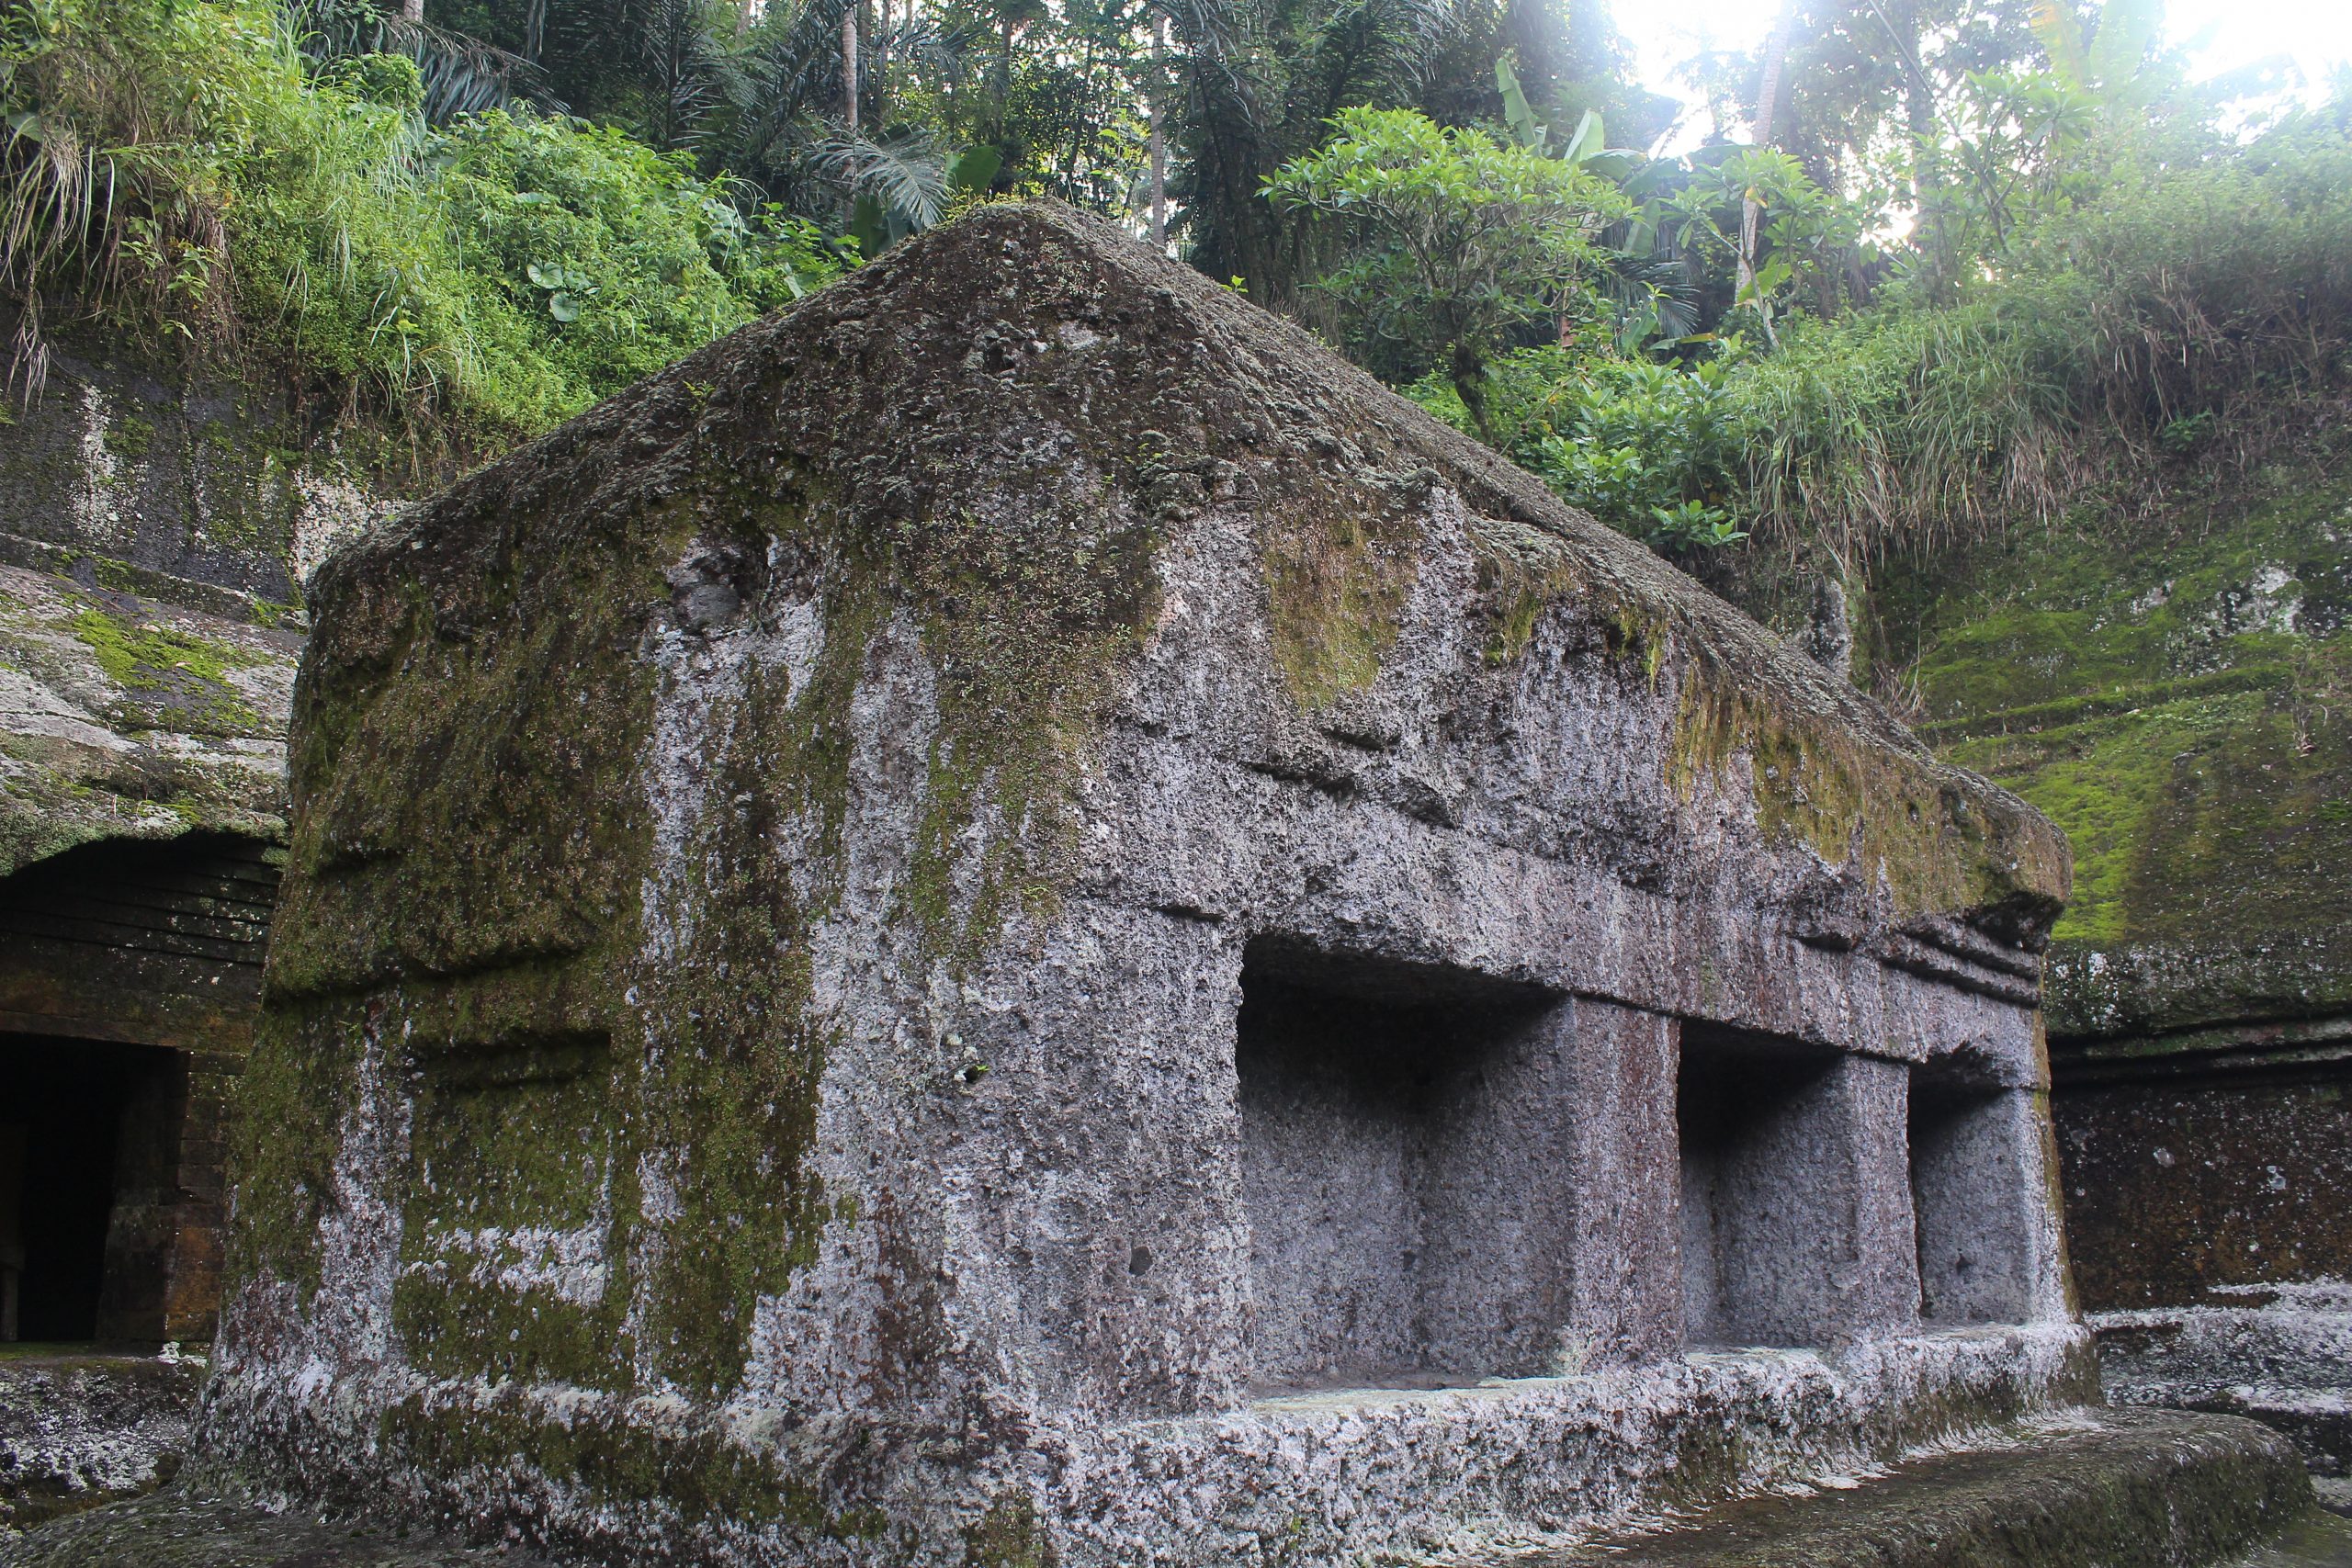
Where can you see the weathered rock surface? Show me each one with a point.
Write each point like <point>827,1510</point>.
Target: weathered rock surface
<point>78,1430</point>
<point>834,901</point>
<point>123,717</point>
<point>155,528</point>
<point>197,487</point>
<point>2109,1490</point>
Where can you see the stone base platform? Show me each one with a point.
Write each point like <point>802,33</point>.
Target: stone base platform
<point>79,1428</point>
<point>2077,1489</point>
<point>2084,1489</point>
<point>179,1528</point>
<point>2281,1355</point>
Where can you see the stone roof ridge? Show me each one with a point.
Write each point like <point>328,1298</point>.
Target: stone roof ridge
<point>1279,368</point>
<point>898,389</point>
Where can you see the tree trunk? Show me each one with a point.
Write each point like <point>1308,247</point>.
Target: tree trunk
<point>1470,382</point>
<point>1004,75</point>
<point>1159,133</point>
<point>881,64</point>
<point>849,66</point>
<point>411,10</point>
<point>1768,97</point>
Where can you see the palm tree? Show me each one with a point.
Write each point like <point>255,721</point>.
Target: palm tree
<point>1157,101</point>
<point>461,75</point>
<point>805,141</point>
<point>1776,49</point>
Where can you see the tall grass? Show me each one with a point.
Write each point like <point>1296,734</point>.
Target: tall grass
<point>2196,314</point>
<point>180,169</point>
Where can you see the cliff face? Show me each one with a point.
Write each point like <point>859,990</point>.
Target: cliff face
<point>2176,698</point>
<point>2179,699</point>
<point>154,534</point>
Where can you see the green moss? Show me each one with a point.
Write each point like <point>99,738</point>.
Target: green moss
<point>187,673</point>
<point>128,437</point>
<point>1859,803</point>
<point>1029,626</point>
<point>141,656</point>
<point>514,1210</point>
<point>1008,1536</point>
<point>1520,574</point>
<point>2173,697</point>
<point>709,1081</point>
<point>1336,580</point>
<point>290,1102</point>
<point>121,577</point>
<point>698,1477</point>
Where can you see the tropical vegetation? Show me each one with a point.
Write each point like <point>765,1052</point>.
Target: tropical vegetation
<point>1923,269</point>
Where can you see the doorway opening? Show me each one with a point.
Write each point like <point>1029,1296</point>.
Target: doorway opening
<point>71,1197</point>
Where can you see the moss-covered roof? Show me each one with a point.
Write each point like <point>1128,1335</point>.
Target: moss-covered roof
<point>1009,415</point>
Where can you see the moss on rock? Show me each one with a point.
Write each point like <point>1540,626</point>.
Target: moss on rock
<point>2179,700</point>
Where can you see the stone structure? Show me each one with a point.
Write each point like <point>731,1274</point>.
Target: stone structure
<point>2174,694</point>
<point>79,1428</point>
<point>147,540</point>
<point>1015,918</point>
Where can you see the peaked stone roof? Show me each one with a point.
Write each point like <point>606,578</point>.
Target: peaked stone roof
<point>1010,416</point>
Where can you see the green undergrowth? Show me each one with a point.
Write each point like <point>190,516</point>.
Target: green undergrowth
<point>2189,310</point>
<point>188,174</point>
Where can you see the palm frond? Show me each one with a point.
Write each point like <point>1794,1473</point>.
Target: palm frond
<point>463,74</point>
<point>905,171</point>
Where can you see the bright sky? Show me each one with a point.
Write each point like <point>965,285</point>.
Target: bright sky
<point>2222,35</point>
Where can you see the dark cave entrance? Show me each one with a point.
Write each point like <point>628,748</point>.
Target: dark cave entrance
<point>78,1125</point>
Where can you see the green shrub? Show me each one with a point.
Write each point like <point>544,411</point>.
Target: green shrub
<point>179,167</point>
<point>1644,447</point>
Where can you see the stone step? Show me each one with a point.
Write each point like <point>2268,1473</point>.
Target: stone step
<point>2093,1489</point>
<point>2315,1541</point>
<point>178,1528</point>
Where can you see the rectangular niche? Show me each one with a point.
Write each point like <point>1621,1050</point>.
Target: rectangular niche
<point>1765,1178</point>
<point>1404,1173</point>
<point>1976,1187</point>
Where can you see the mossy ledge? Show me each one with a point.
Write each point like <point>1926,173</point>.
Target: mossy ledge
<point>2175,695</point>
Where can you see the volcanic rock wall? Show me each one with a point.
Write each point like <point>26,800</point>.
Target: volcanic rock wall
<point>154,529</point>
